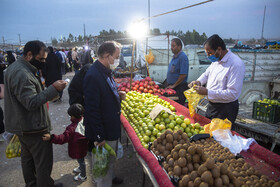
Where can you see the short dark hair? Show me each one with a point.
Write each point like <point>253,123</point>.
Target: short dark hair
<point>76,110</point>
<point>214,42</point>
<point>177,41</point>
<point>108,47</point>
<point>35,47</point>
<point>50,49</point>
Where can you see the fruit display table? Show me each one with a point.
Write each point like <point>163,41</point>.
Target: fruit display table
<point>260,158</point>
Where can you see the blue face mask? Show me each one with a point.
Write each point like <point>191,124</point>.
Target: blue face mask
<point>213,58</point>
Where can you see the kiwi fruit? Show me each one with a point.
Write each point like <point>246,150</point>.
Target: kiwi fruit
<point>203,184</point>
<point>177,170</point>
<point>169,146</point>
<point>202,168</point>
<point>185,170</point>
<point>171,162</point>
<point>185,136</point>
<point>277,184</point>
<point>190,167</point>
<point>223,169</point>
<point>178,147</point>
<point>199,150</point>
<point>218,182</point>
<point>190,184</point>
<point>193,175</point>
<point>185,146</point>
<point>169,138</point>
<point>175,142</point>
<point>168,157</point>
<point>182,141</point>
<point>196,166</point>
<point>216,172</point>
<point>175,156</point>
<point>164,142</point>
<point>225,179</point>
<point>189,157</point>
<point>182,162</point>
<point>162,136</point>
<point>165,153</point>
<point>210,163</point>
<point>180,131</point>
<point>161,149</point>
<point>192,150</point>
<point>197,182</point>
<point>207,177</point>
<point>155,143</point>
<point>196,158</point>
<point>204,157</point>
<point>168,131</point>
<point>182,152</point>
<point>175,135</point>
<point>185,180</point>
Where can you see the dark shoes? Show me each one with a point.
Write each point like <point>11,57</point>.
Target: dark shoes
<point>58,184</point>
<point>117,181</point>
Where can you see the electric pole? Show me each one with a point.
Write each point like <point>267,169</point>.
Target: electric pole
<point>262,39</point>
<point>19,40</point>
<point>3,41</point>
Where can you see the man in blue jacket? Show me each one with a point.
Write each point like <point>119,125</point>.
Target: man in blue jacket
<point>178,70</point>
<point>103,102</point>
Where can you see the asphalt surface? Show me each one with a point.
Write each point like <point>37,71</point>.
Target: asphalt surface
<point>128,168</point>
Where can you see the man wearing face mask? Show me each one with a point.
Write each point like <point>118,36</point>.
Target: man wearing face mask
<point>103,103</point>
<point>224,79</point>
<point>26,113</point>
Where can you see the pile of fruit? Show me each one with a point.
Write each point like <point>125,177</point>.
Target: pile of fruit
<point>136,109</point>
<point>144,86</point>
<point>196,164</point>
<point>270,101</point>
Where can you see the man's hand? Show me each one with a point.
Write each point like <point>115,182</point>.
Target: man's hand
<point>171,86</point>
<point>122,95</point>
<point>194,83</point>
<point>100,144</point>
<point>46,137</point>
<point>59,85</point>
<point>201,90</point>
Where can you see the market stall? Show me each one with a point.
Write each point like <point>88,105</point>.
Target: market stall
<point>268,163</point>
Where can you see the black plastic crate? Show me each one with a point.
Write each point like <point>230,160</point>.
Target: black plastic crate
<point>266,112</point>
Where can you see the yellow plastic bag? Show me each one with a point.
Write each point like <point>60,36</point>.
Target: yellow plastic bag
<point>13,149</point>
<point>193,98</point>
<point>216,124</point>
<point>150,57</point>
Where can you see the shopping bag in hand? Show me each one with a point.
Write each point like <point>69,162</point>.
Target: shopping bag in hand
<point>13,149</point>
<point>193,98</point>
<point>100,163</point>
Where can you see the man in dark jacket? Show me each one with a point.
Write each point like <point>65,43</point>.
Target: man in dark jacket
<point>103,102</point>
<point>75,89</point>
<point>52,70</point>
<point>26,113</point>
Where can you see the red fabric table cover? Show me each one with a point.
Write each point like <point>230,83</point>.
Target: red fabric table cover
<point>262,159</point>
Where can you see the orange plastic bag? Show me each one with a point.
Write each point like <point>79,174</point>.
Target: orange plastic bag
<point>150,57</point>
<point>216,124</point>
<point>193,98</point>
<point>14,148</point>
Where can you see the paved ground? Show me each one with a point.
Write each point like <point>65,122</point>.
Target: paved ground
<point>128,167</point>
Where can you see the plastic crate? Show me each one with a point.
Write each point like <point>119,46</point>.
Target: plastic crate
<point>266,112</point>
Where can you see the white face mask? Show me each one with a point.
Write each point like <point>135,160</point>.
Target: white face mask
<point>116,63</point>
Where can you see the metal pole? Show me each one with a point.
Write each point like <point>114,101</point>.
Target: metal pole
<point>168,48</point>
<point>131,68</point>
<point>262,39</point>
<point>149,22</point>
<point>19,40</point>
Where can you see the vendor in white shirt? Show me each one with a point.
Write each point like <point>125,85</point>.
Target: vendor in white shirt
<point>223,79</point>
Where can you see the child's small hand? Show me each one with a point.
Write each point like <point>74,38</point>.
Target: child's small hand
<point>46,137</point>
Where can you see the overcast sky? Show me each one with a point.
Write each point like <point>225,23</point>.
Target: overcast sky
<point>43,19</point>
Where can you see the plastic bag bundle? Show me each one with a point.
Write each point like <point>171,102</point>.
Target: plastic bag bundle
<point>100,163</point>
<point>193,98</point>
<point>13,149</point>
<point>150,57</point>
<point>235,144</point>
<point>216,124</point>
